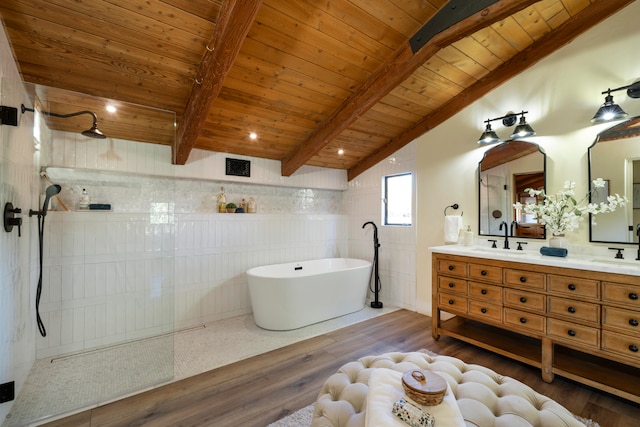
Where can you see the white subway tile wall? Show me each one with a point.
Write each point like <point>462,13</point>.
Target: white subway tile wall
<point>397,252</point>
<point>162,258</point>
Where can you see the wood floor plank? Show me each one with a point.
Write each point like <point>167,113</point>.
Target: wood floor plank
<point>262,389</point>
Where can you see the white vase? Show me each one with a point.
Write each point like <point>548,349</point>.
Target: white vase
<point>558,242</point>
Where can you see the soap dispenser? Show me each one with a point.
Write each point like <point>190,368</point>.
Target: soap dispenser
<point>84,200</point>
<point>468,236</point>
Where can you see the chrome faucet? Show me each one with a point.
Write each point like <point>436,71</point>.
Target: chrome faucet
<point>506,234</point>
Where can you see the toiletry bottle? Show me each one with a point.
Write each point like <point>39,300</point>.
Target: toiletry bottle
<point>84,200</point>
<point>222,201</point>
<point>468,236</point>
<point>251,206</point>
<point>243,205</point>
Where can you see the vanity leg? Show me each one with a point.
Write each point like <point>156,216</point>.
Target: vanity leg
<point>547,360</point>
<point>435,323</point>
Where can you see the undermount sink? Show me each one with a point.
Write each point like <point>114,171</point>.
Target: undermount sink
<point>498,251</point>
<point>611,260</point>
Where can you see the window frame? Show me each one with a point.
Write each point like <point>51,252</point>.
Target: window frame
<point>385,200</point>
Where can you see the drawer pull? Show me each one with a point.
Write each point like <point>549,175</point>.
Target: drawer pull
<point>450,302</point>
<point>633,296</point>
<point>451,267</point>
<point>572,287</point>
<point>523,279</point>
<point>483,292</point>
<point>483,310</point>
<point>451,285</point>
<point>523,320</point>
<point>633,322</point>
<point>483,272</point>
<point>571,333</point>
<point>523,299</point>
<point>633,348</point>
<point>571,310</point>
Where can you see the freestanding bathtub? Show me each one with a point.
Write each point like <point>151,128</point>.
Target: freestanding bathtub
<point>293,295</point>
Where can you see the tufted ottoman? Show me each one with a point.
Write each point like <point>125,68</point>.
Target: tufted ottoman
<point>485,398</point>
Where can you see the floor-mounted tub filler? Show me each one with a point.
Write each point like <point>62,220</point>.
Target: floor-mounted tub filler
<point>293,295</point>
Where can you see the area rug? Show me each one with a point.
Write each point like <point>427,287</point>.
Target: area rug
<point>304,416</point>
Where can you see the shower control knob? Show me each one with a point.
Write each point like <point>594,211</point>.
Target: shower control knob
<point>10,219</point>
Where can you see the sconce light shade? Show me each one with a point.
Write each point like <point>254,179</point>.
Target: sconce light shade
<point>488,136</point>
<point>608,111</point>
<point>523,129</point>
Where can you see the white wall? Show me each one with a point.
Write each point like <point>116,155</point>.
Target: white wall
<point>397,252</point>
<point>17,327</point>
<point>561,93</point>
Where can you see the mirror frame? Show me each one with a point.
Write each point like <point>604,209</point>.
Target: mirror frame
<point>508,159</point>
<point>628,128</point>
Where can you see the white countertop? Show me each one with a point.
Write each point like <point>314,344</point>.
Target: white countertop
<point>580,259</point>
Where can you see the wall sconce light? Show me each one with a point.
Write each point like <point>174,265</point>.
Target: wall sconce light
<point>521,131</point>
<point>610,110</point>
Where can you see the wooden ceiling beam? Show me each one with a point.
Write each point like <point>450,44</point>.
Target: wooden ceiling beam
<point>581,22</point>
<point>396,69</point>
<point>234,21</point>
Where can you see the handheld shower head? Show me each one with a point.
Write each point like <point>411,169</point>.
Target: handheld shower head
<point>51,191</point>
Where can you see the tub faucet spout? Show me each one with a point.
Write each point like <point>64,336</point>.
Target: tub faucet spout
<point>376,288</point>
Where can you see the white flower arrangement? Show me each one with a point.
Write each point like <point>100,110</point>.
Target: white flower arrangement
<point>561,212</point>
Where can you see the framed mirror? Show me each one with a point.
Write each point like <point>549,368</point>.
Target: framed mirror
<point>504,173</point>
<point>615,157</point>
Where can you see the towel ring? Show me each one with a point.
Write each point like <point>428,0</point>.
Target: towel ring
<point>454,206</point>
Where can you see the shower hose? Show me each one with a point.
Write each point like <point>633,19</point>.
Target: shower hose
<point>41,327</point>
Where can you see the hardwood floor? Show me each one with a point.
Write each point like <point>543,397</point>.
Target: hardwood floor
<point>265,388</point>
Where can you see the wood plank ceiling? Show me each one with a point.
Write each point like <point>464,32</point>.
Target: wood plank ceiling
<point>309,77</point>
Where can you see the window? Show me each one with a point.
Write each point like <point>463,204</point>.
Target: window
<point>396,199</point>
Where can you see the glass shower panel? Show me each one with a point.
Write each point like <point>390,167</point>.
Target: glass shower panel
<point>108,277</point>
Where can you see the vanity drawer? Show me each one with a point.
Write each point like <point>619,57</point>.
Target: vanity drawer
<point>571,332</point>
<point>574,287</point>
<point>452,268</point>
<point>452,303</point>
<point>451,284</point>
<point>524,279</point>
<point>625,345</point>
<point>525,300</point>
<point>484,291</point>
<point>485,310</point>
<point>485,273</point>
<point>621,294</point>
<point>583,311</point>
<point>626,321</point>
<point>523,320</point>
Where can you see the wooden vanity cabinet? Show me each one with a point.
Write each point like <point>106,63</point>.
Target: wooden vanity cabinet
<point>580,324</point>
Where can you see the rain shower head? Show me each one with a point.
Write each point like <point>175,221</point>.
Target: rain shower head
<point>94,132</point>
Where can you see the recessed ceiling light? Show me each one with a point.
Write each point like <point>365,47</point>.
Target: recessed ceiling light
<point>253,135</point>
<point>111,108</point>
<point>340,152</point>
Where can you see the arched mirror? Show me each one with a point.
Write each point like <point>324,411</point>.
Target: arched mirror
<point>615,157</point>
<point>504,173</point>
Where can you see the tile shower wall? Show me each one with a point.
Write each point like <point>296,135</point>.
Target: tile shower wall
<point>17,179</point>
<point>397,252</point>
<point>92,256</point>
